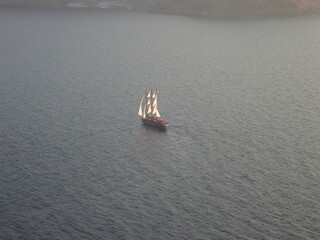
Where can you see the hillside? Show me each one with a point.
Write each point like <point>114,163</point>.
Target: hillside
<point>213,8</point>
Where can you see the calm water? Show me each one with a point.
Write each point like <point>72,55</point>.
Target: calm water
<point>240,159</point>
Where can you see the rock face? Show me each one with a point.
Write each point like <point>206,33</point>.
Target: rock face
<point>212,8</point>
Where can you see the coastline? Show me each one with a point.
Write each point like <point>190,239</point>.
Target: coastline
<point>214,10</point>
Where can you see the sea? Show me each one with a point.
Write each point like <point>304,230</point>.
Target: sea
<point>240,159</point>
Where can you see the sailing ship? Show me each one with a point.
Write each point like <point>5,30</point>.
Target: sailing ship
<point>148,110</point>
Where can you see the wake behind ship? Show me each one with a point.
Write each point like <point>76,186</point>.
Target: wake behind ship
<point>148,110</point>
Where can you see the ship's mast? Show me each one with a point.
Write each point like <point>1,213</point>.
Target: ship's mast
<point>151,104</point>
<point>146,104</point>
<point>154,103</point>
<point>151,101</point>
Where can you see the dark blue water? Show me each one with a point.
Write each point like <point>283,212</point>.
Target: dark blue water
<point>240,159</point>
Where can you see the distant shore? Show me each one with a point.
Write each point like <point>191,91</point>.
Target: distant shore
<point>201,8</point>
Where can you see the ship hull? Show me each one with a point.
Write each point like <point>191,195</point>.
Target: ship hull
<point>155,123</point>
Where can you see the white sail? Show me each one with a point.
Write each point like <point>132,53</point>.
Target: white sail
<point>157,113</point>
<point>144,112</point>
<point>149,105</point>
<point>155,102</point>
<point>154,110</point>
<point>141,113</point>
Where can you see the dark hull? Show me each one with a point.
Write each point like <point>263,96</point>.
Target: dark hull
<point>154,123</point>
